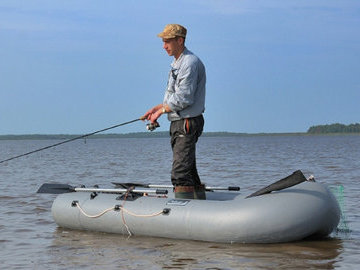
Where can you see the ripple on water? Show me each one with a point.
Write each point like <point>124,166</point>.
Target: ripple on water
<point>31,240</point>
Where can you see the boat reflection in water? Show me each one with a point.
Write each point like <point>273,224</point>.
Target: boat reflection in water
<point>89,248</point>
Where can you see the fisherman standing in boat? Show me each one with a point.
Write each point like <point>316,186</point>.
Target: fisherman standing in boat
<point>184,104</point>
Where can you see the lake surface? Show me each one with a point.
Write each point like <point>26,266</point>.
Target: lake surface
<point>30,239</point>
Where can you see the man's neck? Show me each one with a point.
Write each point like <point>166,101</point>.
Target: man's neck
<point>180,52</point>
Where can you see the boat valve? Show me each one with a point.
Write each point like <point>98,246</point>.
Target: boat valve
<point>74,203</point>
<point>166,211</point>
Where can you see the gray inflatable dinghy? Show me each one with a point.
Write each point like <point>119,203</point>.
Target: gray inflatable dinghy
<point>307,209</point>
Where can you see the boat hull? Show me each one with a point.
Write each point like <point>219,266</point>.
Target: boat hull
<point>308,209</point>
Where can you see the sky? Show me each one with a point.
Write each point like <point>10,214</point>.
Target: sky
<point>74,67</point>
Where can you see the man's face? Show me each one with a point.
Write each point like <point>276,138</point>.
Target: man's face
<point>174,46</point>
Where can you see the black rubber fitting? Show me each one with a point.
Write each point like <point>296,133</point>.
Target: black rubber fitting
<point>73,204</point>
<point>166,211</point>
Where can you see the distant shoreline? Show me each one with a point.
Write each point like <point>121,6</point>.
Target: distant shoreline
<point>160,134</point>
<point>319,130</point>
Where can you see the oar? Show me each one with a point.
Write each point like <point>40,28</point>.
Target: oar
<point>231,188</point>
<point>127,185</point>
<point>64,188</point>
<point>294,179</point>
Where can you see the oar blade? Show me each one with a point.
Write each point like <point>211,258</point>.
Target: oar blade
<point>55,188</point>
<point>296,178</point>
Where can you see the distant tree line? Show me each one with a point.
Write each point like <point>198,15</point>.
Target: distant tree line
<point>320,129</point>
<point>335,128</point>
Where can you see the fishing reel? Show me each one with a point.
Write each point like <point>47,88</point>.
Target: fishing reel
<point>152,126</point>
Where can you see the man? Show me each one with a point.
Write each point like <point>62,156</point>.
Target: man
<point>184,103</point>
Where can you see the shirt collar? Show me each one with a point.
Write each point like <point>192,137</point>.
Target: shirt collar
<point>176,62</point>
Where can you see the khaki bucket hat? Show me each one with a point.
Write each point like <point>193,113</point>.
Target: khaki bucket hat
<point>172,31</point>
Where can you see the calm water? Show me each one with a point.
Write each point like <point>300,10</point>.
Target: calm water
<point>29,238</point>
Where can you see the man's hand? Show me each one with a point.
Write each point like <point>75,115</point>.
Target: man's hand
<point>153,114</point>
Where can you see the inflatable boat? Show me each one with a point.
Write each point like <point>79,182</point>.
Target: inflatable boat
<point>287,213</point>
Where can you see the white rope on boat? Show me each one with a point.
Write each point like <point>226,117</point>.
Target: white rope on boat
<point>141,215</point>
<point>122,209</point>
<point>93,216</point>
<point>135,215</point>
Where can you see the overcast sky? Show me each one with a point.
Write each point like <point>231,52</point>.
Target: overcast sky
<point>272,66</point>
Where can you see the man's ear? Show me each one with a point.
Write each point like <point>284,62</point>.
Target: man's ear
<point>180,40</point>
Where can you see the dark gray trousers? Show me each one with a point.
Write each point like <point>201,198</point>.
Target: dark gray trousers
<point>184,135</point>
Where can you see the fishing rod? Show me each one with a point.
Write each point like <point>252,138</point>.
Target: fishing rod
<point>150,127</point>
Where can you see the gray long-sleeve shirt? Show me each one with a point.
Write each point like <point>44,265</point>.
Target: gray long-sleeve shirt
<point>185,93</point>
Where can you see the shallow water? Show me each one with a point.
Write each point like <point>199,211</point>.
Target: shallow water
<point>29,238</point>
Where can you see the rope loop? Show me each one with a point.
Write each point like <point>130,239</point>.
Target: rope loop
<point>123,210</point>
<point>117,208</point>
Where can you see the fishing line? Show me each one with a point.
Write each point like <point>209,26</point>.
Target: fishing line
<point>70,140</point>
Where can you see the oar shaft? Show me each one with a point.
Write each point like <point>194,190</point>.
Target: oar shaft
<point>224,188</point>
<point>207,187</point>
<point>120,190</point>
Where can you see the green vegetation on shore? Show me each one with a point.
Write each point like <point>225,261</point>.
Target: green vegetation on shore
<point>334,128</point>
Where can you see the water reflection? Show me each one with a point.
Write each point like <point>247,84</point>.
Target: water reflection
<point>83,249</point>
